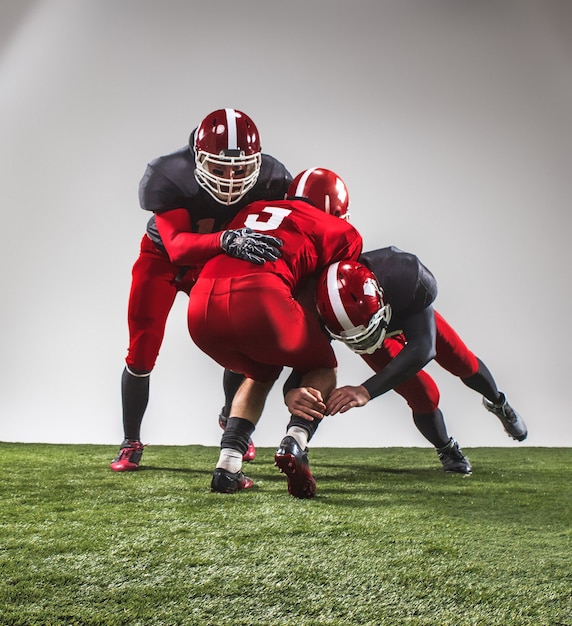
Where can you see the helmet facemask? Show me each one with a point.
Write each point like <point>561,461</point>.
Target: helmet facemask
<point>366,339</point>
<point>212,174</point>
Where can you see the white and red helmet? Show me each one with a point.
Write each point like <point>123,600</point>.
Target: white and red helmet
<point>324,189</point>
<point>228,155</point>
<point>351,304</point>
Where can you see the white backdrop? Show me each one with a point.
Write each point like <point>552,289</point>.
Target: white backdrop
<point>450,122</point>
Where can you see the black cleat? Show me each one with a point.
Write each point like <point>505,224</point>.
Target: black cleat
<point>512,422</point>
<point>293,461</point>
<point>222,419</point>
<point>453,459</point>
<point>224,481</point>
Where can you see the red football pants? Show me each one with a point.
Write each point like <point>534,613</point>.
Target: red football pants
<point>155,284</point>
<point>252,324</point>
<point>420,391</point>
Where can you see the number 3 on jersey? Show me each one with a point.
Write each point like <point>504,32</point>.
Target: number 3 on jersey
<point>259,223</point>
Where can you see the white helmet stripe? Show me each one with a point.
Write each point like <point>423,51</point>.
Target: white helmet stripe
<point>231,126</point>
<point>302,182</point>
<point>335,300</point>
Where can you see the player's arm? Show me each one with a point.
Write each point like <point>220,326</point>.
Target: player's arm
<point>187,248</point>
<point>345,244</point>
<point>183,246</point>
<point>420,331</point>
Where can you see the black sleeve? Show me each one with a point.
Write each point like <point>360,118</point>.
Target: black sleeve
<point>157,193</point>
<point>273,181</point>
<point>409,285</point>
<point>420,331</point>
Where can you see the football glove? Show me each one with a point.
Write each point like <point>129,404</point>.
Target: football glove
<point>248,245</point>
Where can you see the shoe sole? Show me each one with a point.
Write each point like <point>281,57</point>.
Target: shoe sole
<point>247,483</point>
<point>458,472</point>
<point>519,438</point>
<point>124,468</point>
<point>225,482</point>
<point>506,425</point>
<point>301,483</point>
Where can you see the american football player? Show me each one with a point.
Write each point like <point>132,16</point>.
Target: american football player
<point>382,308</point>
<point>192,193</point>
<point>239,311</point>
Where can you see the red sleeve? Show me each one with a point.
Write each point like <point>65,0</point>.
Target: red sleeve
<point>183,246</point>
<point>341,243</point>
<point>355,246</point>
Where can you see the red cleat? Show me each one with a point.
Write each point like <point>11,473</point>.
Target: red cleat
<point>129,456</point>
<point>250,453</point>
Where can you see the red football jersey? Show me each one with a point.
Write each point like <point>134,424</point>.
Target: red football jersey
<point>311,240</point>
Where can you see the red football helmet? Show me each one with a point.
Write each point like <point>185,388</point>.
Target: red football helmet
<point>351,303</point>
<point>324,189</point>
<point>227,154</point>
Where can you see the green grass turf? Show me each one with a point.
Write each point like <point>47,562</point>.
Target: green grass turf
<point>389,539</point>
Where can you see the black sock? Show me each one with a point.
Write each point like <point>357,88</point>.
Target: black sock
<point>237,434</point>
<point>231,381</point>
<point>483,382</point>
<point>300,422</point>
<point>432,427</point>
<point>135,396</point>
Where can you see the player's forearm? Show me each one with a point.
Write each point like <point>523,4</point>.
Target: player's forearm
<point>406,364</point>
<point>183,246</point>
<point>192,248</point>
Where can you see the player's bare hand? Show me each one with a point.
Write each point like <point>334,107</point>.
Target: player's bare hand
<point>345,398</point>
<point>305,402</point>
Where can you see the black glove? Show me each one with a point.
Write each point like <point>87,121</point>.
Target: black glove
<point>248,245</point>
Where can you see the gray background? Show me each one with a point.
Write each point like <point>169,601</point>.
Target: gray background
<point>449,121</point>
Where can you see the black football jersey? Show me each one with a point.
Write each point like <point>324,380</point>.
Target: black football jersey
<point>408,285</point>
<point>410,288</point>
<point>169,183</point>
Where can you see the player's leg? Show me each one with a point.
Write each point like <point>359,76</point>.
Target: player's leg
<point>152,294</point>
<point>256,340</point>
<point>245,411</point>
<point>314,363</point>
<point>316,368</point>
<point>292,453</point>
<point>455,357</point>
<point>291,457</point>
<point>224,324</point>
<point>231,381</point>
<point>422,395</point>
